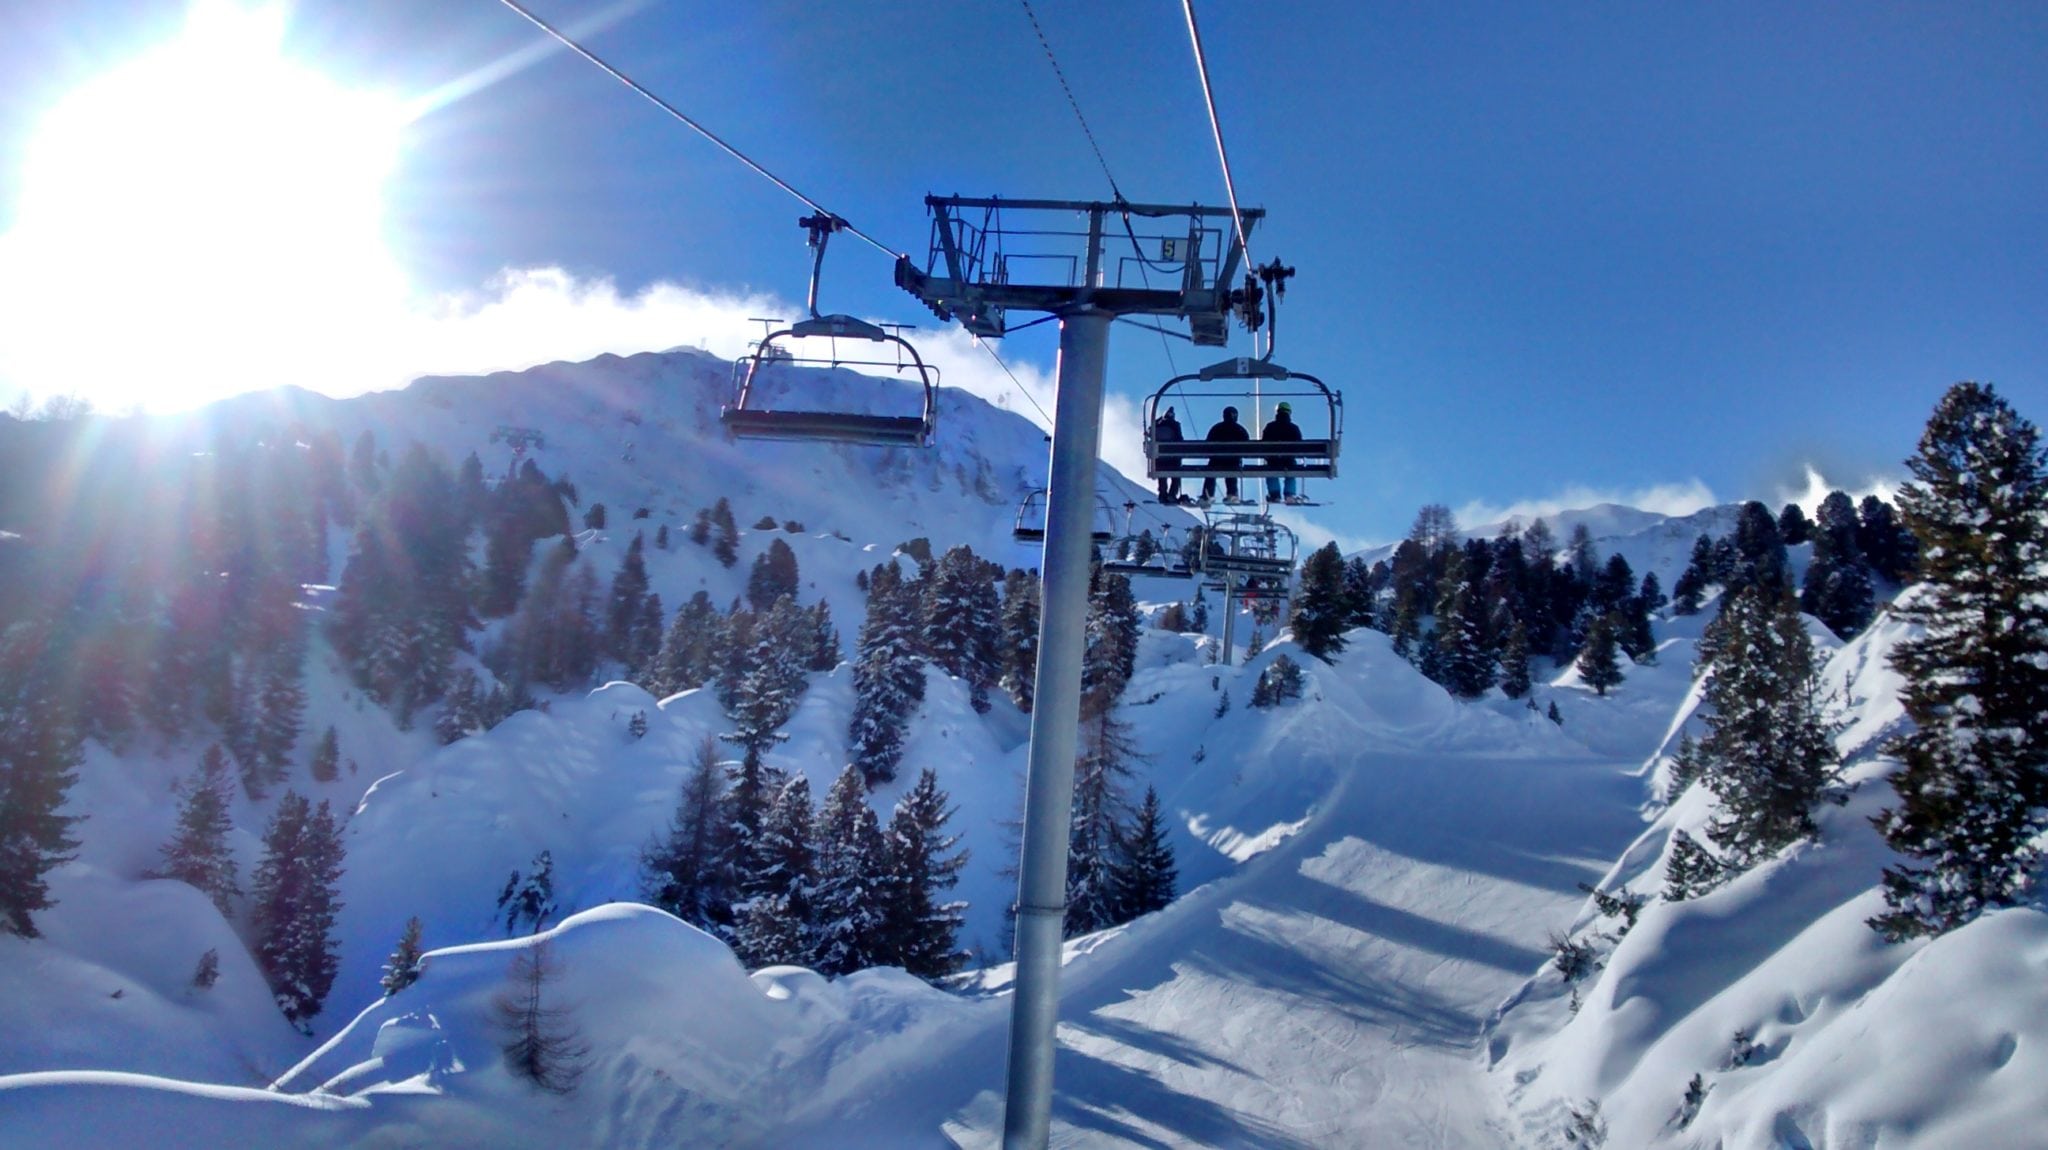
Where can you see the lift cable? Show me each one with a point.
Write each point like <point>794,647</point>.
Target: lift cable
<point>700,129</point>
<point>1071,101</point>
<point>1216,127</point>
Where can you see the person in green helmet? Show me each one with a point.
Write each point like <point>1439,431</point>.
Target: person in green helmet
<point>1282,429</point>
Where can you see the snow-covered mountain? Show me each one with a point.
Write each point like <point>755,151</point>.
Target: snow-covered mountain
<point>1370,877</point>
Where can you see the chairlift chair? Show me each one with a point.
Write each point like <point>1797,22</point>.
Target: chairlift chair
<point>1030,527</point>
<point>1242,545</point>
<point>815,343</point>
<point>1247,384</point>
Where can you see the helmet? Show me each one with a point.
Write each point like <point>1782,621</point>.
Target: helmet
<point>1285,408</point>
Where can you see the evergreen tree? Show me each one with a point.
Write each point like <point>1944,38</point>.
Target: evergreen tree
<point>1972,811</point>
<point>1464,659</point>
<point>1146,872</point>
<point>824,639</point>
<point>327,752</point>
<point>888,675</point>
<point>1514,662</point>
<point>773,575</point>
<point>1837,586</point>
<point>772,679</point>
<point>1692,871</point>
<point>1694,580</point>
<point>1020,636</point>
<point>645,642</point>
<point>962,621</point>
<point>727,546</point>
<point>684,661</point>
<point>1891,550</point>
<point>39,754</point>
<point>531,900</point>
<point>402,969</point>
<point>622,612</point>
<point>1599,662</point>
<point>1361,594</point>
<point>279,717</point>
<point>1198,616</point>
<point>207,972</point>
<point>594,518</point>
<point>1100,811</point>
<point>661,538</point>
<point>1768,756</point>
<point>1793,526</point>
<point>1759,550</point>
<point>198,852</point>
<point>846,907</point>
<point>294,903</point>
<point>919,930</point>
<point>1321,612</point>
<point>774,922</point>
<point>681,872</point>
<point>1113,627</point>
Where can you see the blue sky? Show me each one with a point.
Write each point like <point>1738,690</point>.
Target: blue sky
<point>1599,249</point>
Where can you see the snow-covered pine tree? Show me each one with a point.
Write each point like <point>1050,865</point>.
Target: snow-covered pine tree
<point>1465,658</point>
<point>1146,872</point>
<point>962,621</point>
<point>846,907</point>
<point>1514,662</point>
<point>888,675</point>
<point>772,677</point>
<point>1020,637</point>
<point>1599,662</point>
<point>775,920</point>
<point>684,661</point>
<point>1101,809</point>
<point>1891,550</point>
<point>1361,595</point>
<point>622,608</point>
<point>294,901</point>
<point>920,930</point>
<point>1768,756</point>
<point>532,900</point>
<point>1691,871</point>
<point>1321,611</point>
<point>198,852</point>
<point>1972,808</point>
<point>824,639</point>
<point>402,969</point>
<point>1113,629</point>
<point>1759,550</point>
<point>773,575</point>
<point>1837,587</point>
<point>280,714</point>
<point>681,871</point>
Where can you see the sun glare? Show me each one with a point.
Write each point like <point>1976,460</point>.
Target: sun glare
<point>203,220</point>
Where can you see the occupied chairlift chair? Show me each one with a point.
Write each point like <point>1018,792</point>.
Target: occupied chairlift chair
<point>749,417</point>
<point>1030,526</point>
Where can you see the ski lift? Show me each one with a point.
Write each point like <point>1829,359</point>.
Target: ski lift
<point>817,343</point>
<point>1238,545</point>
<point>1030,527</point>
<point>1246,384</point>
<point>1128,554</point>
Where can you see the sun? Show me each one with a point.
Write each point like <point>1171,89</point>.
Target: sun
<point>203,220</point>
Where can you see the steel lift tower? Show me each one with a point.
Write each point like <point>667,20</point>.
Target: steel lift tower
<point>1088,263</point>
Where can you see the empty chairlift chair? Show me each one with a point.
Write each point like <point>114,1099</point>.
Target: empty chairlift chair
<point>1030,527</point>
<point>770,381</point>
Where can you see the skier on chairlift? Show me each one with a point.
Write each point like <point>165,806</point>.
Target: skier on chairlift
<point>1227,431</point>
<point>1167,430</point>
<point>1282,429</point>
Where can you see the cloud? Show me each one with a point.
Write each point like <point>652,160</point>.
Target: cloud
<point>1808,495</point>
<point>1662,498</point>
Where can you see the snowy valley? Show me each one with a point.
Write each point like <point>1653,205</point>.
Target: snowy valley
<point>1382,884</point>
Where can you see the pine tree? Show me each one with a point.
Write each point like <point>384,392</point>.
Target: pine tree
<point>1692,871</point>
<point>327,752</point>
<point>888,675</point>
<point>198,852</point>
<point>1759,550</point>
<point>402,969</point>
<point>771,678</point>
<point>1837,586</point>
<point>727,547</point>
<point>1793,526</point>
<point>920,932</point>
<point>1100,811</point>
<point>532,900</point>
<point>774,922</point>
<point>846,910</point>
<point>684,661</point>
<point>1146,872</point>
<point>962,622</point>
<point>1694,580</point>
<point>1361,593</point>
<point>1892,551</point>
<point>1020,636</point>
<point>1464,661</point>
<point>1599,662</point>
<point>1972,791</point>
<point>681,871</point>
<point>1768,756</point>
<point>1113,628</point>
<point>294,903</point>
<point>1280,682</point>
<point>1514,662</point>
<point>207,972</point>
<point>824,639</point>
<point>622,611</point>
<point>1321,612</point>
<point>279,716</point>
<point>39,754</point>
<point>773,575</point>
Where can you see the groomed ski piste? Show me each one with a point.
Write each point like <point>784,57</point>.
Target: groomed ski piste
<point>1372,877</point>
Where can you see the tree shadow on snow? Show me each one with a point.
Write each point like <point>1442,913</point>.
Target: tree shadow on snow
<point>1096,1095</point>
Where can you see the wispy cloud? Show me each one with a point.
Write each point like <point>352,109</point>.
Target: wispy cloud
<point>1681,498</point>
<point>1815,487</point>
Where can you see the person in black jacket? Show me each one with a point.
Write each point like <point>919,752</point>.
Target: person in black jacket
<point>1283,429</point>
<point>1228,431</point>
<point>1167,430</point>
